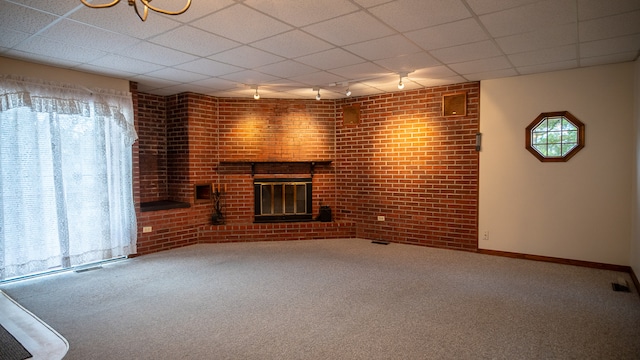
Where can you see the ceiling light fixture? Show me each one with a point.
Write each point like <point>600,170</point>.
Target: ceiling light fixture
<point>400,83</point>
<point>318,97</point>
<point>145,11</point>
<point>348,92</point>
<point>256,95</point>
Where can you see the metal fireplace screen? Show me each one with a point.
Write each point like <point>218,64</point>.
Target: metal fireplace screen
<point>278,200</point>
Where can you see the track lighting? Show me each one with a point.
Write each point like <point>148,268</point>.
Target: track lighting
<point>318,97</point>
<point>348,92</point>
<point>400,83</point>
<point>256,95</point>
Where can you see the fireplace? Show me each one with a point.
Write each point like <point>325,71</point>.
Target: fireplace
<point>283,200</point>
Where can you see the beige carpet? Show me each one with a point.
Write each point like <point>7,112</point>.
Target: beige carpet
<point>335,299</point>
<point>37,337</point>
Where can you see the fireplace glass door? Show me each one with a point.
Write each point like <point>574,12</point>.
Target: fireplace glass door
<point>278,200</point>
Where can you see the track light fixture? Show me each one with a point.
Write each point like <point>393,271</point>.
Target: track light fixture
<point>318,97</point>
<point>348,92</point>
<point>256,95</point>
<point>145,10</point>
<point>400,83</point>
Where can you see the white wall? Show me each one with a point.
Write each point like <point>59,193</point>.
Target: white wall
<point>635,241</point>
<point>580,209</point>
<point>49,73</point>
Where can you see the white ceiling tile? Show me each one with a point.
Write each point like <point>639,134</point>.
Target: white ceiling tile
<point>49,47</point>
<point>349,29</point>
<point>318,78</point>
<point>356,72</point>
<point>467,52</point>
<point>446,35</point>
<point>147,83</point>
<point>83,35</point>
<point>496,74</point>
<point>41,59</point>
<point>389,83</point>
<point>442,81</point>
<point>216,83</point>
<point>488,6</point>
<point>409,62</point>
<point>623,44</point>
<point>542,38</point>
<point>246,57</point>
<point>124,63</point>
<point>371,3</point>
<point>611,26</point>
<point>249,77</point>
<point>552,55</point>
<point>241,23</point>
<point>591,9</point>
<point>530,17</point>
<point>563,65</point>
<point>300,13</point>
<point>330,59</point>
<point>11,38</point>
<point>194,41</point>
<point>122,19</point>
<point>435,72</point>
<point>197,10</point>
<point>292,44</point>
<point>156,54</point>
<point>177,75</point>
<point>101,70</point>
<point>384,48</point>
<point>20,18</point>
<point>482,65</point>
<point>407,15</point>
<point>287,68</point>
<point>437,75</point>
<point>609,59</point>
<point>537,34</point>
<point>209,67</point>
<point>53,7</point>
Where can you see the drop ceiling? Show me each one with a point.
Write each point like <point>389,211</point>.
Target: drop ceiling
<point>286,48</point>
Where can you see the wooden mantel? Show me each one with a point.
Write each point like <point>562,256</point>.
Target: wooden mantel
<point>312,163</point>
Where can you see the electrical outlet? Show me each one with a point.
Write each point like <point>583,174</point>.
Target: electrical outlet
<point>485,235</point>
<point>380,218</point>
<point>147,229</point>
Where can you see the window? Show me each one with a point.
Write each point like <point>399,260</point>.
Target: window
<point>555,136</point>
<point>66,183</point>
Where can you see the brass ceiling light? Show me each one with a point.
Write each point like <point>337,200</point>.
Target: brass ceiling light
<point>146,6</point>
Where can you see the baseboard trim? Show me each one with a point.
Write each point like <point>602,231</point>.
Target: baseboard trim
<point>589,264</point>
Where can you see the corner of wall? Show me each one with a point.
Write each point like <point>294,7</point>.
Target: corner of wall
<point>635,233</point>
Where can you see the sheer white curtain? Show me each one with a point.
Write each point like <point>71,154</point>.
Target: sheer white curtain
<point>66,192</point>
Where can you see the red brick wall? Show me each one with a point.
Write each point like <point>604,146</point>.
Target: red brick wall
<point>151,125</point>
<point>408,163</point>
<point>403,161</point>
<point>203,131</point>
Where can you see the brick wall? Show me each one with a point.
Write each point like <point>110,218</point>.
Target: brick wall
<point>209,141</point>
<point>408,163</point>
<point>403,161</point>
<point>151,126</point>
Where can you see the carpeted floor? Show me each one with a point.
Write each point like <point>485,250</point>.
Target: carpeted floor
<point>335,299</point>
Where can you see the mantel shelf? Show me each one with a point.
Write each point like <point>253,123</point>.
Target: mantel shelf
<point>311,163</point>
<point>275,162</point>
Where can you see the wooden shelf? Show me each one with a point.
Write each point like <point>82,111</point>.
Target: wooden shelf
<point>312,163</point>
